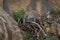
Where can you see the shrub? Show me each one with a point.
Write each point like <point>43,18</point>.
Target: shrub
<point>18,14</point>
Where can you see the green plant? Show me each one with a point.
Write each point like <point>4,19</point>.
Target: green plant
<point>18,14</point>
<point>27,36</point>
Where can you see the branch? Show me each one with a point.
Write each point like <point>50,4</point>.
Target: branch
<point>40,28</point>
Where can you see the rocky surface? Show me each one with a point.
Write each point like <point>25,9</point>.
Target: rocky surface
<point>16,4</point>
<point>8,27</point>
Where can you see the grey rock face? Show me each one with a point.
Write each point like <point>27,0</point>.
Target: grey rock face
<point>8,27</point>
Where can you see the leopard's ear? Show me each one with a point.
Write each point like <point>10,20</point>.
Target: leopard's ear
<point>5,6</point>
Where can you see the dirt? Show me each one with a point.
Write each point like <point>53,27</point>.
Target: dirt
<point>16,4</point>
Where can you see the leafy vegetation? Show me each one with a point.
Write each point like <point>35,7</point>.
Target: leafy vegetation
<point>18,14</point>
<point>27,36</point>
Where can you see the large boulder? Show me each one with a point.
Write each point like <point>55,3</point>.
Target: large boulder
<point>8,27</point>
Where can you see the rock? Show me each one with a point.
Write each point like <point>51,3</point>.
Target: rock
<point>8,27</point>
